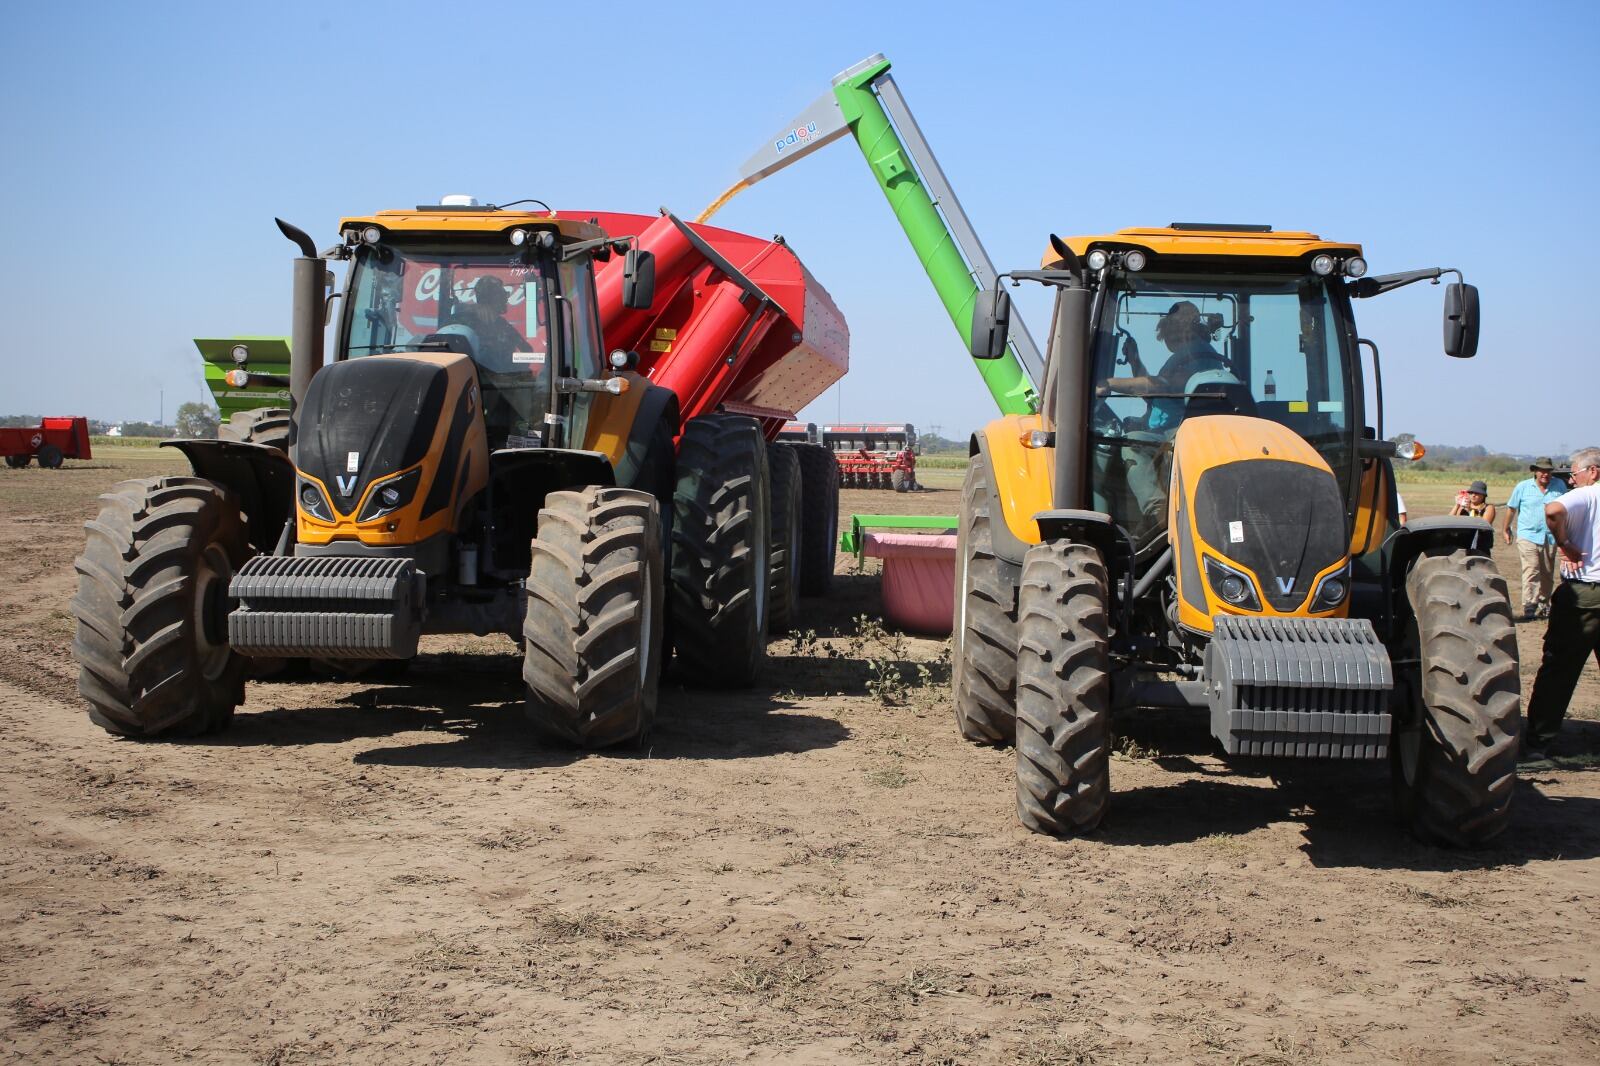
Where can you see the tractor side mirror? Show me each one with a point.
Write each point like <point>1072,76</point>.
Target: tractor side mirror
<point>638,279</point>
<point>1461,320</point>
<point>991,322</point>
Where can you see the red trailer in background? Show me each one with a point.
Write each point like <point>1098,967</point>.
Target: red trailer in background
<point>52,441</point>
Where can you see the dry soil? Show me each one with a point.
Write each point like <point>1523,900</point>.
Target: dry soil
<point>817,870</point>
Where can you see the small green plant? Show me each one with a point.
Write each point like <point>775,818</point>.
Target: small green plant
<point>893,777</point>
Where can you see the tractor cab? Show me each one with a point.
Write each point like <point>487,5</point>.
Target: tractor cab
<point>1217,322</point>
<point>513,291</point>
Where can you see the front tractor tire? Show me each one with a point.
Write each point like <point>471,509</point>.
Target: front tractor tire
<point>592,635</point>
<point>1453,757</point>
<point>1063,691</point>
<point>152,608</point>
<point>984,658</point>
<point>264,425</point>
<point>721,538</point>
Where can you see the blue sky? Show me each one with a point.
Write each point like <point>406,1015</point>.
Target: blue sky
<point>148,147</point>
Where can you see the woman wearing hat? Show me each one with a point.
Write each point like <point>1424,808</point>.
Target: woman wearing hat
<point>1537,548</point>
<point>1473,502</point>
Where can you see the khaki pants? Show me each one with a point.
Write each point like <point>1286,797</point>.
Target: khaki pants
<point>1538,573</point>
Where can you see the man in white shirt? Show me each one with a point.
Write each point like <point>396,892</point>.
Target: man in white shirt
<point>1574,633</point>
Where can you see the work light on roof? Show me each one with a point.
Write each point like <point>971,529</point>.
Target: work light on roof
<point>1322,265</point>
<point>1135,260</point>
<point>372,235</point>
<point>1099,259</point>
<point>519,236</point>
<point>241,354</point>
<point>1355,266</point>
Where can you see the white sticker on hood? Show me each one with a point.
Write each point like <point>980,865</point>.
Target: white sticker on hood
<point>1236,532</point>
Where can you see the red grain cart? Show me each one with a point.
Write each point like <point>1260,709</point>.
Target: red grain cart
<point>52,441</point>
<point>874,455</point>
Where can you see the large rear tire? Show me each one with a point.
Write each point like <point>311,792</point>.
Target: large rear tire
<point>592,635</point>
<point>152,608</point>
<point>785,565</point>
<point>264,425</point>
<point>819,517</point>
<point>1453,757</point>
<point>720,542</point>
<point>1063,691</point>
<point>984,658</point>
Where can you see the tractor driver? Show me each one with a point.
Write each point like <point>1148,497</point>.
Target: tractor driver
<point>497,338</point>
<point>1187,336</point>
<point>513,392</point>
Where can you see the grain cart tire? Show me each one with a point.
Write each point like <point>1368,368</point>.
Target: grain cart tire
<point>984,657</point>
<point>819,517</point>
<point>1063,691</point>
<point>897,481</point>
<point>50,457</point>
<point>152,608</point>
<point>1453,757</point>
<point>17,462</point>
<point>592,635</point>
<point>785,564</point>
<point>264,425</point>
<point>720,541</point>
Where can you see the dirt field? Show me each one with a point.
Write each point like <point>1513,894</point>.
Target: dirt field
<point>802,873</point>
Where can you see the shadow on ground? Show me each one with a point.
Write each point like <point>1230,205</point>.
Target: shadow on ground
<point>471,706</point>
<point>1342,808</point>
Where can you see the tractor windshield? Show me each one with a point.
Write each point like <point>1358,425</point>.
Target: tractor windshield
<point>1172,347</point>
<point>413,298</point>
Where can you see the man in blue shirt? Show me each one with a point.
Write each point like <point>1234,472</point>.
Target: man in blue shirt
<point>1535,545</point>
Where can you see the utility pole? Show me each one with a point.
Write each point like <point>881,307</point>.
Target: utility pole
<point>161,409</point>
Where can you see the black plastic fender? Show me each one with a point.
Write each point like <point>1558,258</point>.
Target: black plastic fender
<point>262,477</point>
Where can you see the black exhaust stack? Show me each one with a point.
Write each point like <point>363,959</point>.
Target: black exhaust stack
<point>309,314</point>
<point>1070,348</point>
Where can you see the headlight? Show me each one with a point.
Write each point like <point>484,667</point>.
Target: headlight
<point>241,354</point>
<point>1098,259</point>
<point>1355,266</point>
<point>389,496</point>
<point>1322,265</point>
<point>1135,260</point>
<point>1331,590</point>
<point>1232,586</point>
<point>314,502</point>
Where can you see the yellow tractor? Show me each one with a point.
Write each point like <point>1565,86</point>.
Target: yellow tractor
<point>1200,517</point>
<point>476,458</point>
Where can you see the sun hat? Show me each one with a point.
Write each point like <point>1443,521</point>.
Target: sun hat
<point>1542,463</point>
<point>1479,487</point>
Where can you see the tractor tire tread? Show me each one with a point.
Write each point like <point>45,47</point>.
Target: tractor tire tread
<point>1063,724</point>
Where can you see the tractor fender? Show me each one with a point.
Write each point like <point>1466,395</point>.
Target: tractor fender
<point>1089,527</point>
<point>1021,483</point>
<point>261,476</point>
<point>1445,532</point>
<point>657,405</point>
<point>1426,536</point>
